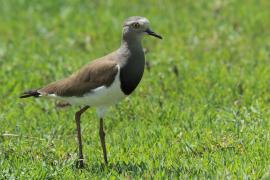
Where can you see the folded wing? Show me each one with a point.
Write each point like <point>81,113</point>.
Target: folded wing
<point>96,74</point>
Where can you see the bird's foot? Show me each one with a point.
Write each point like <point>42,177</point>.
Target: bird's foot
<point>79,164</point>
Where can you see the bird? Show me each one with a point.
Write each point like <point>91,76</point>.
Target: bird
<point>102,82</point>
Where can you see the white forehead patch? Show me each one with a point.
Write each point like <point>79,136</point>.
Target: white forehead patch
<point>141,20</point>
<point>144,21</point>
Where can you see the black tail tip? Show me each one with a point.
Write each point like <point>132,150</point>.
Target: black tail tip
<point>31,93</point>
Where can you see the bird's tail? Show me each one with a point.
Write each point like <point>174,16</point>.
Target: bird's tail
<point>30,93</point>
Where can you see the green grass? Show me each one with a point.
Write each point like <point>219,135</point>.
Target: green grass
<point>210,120</point>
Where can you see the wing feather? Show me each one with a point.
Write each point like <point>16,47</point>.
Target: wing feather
<point>97,73</point>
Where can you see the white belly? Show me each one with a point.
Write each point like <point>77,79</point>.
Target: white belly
<point>100,97</point>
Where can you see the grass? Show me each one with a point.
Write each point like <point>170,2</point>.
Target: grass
<point>201,110</point>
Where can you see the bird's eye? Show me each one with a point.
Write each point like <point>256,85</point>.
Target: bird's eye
<point>136,25</point>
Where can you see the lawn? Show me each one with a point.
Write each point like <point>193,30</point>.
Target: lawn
<point>201,110</point>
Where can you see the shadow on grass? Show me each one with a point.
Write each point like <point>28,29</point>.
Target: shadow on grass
<point>140,169</point>
<point>119,167</point>
<point>122,167</point>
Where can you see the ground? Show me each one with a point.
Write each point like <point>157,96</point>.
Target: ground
<point>201,110</point>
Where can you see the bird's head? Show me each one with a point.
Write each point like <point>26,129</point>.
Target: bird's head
<point>136,27</point>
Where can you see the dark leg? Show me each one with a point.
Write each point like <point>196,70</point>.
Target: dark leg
<point>102,139</point>
<point>78,123</point>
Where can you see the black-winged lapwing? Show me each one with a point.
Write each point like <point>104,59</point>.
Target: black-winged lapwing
<point>104,81</point>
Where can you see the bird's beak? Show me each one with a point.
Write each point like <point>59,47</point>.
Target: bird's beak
<point>152,33</point>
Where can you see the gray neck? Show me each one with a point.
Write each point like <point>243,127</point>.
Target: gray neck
<point>131,41</point>
<point>132,64</point>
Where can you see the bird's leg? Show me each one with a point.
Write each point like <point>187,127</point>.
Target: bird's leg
<point>78,123</point>
<point>102,139</point>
